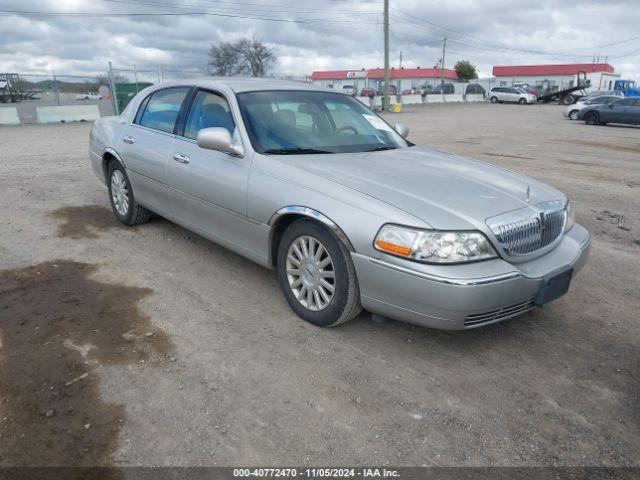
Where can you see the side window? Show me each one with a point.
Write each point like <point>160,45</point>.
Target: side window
<point>626,102</point>
<point>208,110</point>
<point>141,108</point>
<point>162,109</point>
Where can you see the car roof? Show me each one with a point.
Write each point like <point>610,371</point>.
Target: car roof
<point>246,84</point>
<point>605,96</point>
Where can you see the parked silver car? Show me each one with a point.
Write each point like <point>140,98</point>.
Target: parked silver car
<point>511,95</point>
<point>602,93</point>
<point>572,111</point>
<point>314,184</point>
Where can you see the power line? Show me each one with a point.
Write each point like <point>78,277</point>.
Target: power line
<point>242,6</point>
<point>177,14</point>
<point>478,44</point>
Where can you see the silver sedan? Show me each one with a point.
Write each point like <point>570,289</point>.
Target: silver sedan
<point>572,111</point>
<point>351,215</point>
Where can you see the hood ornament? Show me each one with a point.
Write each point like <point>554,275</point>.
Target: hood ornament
<point>528,197</point>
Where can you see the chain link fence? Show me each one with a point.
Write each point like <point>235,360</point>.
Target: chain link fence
<point>127,82</point>
<point>112,90</point>
<point>30,93</point>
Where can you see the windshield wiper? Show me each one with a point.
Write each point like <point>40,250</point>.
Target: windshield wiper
<point>381,147</point>
<point>294,151</point>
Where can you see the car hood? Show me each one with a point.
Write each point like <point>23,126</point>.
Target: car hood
<point>445,191</point>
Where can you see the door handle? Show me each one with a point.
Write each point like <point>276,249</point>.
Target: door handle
<point>129,140</point>
<point>179,157</point>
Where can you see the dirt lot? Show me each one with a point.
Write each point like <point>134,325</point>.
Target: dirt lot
<point>152,346</point>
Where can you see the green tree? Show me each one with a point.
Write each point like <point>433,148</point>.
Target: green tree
<point>465,70</point>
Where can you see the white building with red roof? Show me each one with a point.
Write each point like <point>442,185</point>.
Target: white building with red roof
<point>602,75</point>
<point>401,78</point>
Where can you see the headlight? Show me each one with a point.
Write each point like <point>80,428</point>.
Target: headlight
<point>433,246</point>
<point>571,218</point>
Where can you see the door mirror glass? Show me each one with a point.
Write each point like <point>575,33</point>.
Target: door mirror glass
<point>218,138</point>
<point>402,129</point>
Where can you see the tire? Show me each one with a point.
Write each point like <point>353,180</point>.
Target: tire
<point>522,101</point>
<point>567,100</point>
<point>573,115</point>
<point>301,246</point>
<point>494,99</point>
<point>592,118</point>
<point>121,193</point>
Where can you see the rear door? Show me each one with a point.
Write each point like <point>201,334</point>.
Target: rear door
<point>146,145</point>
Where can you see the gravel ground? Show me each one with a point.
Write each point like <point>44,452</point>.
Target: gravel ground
<point>152,346</point>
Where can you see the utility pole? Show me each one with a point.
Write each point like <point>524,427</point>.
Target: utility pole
<point>400,61</point>
<point>386,56</point>
<point>444,48</point>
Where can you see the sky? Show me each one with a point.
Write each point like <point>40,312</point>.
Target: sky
<point>309,35</point>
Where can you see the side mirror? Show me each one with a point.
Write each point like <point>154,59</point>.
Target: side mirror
<point>402,129</point>
<point>217,138</point>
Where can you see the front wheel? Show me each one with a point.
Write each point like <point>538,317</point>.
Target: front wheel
<point>317,275</point>
<point>592,118</point>
<point>494,99</point>
<point>573,115</point>
<point>522,101</point>
<point>124,206</point>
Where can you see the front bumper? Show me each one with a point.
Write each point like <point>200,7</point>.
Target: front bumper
<point>467,298</point>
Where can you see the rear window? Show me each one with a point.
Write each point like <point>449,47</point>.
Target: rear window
<point>162,109</point>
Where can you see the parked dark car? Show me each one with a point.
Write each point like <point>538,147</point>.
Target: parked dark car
<point>368,92</point>
<point>446,88</point>
<point>475,89</point>
<point>392,90</point>
<point>625,110</point>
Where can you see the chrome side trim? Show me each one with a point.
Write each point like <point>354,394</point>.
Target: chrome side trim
<point>448,281</point>
<point>316,215</point>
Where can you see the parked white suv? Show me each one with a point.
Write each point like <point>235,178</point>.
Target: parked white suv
<point>511,95</point>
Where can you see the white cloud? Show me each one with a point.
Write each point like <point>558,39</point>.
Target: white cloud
<point>486,32</point>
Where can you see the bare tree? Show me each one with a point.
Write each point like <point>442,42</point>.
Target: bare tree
<point>224,59</point>
<point>256,57</point>
<point>242,57</point>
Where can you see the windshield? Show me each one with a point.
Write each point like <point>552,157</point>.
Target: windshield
<point>289,122</point>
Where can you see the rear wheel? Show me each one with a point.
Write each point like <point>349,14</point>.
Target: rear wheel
<point>317,275</point>
<point>494,99</point>
<point>573,115</point>
<point>568,100</point>
<point>123,204</point>
<point>592,118</point>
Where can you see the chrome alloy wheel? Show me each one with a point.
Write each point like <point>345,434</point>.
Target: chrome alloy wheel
<point>310,273</point>
<point>119,192</point>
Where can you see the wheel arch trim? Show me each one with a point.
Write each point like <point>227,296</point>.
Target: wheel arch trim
<point>314,214</point>
<point>115,154</point>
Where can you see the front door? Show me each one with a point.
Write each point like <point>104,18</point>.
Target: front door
<point>208,188</point>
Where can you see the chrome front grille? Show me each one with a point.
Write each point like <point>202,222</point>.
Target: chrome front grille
<point>497,315</point>
<point>530,229</point>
